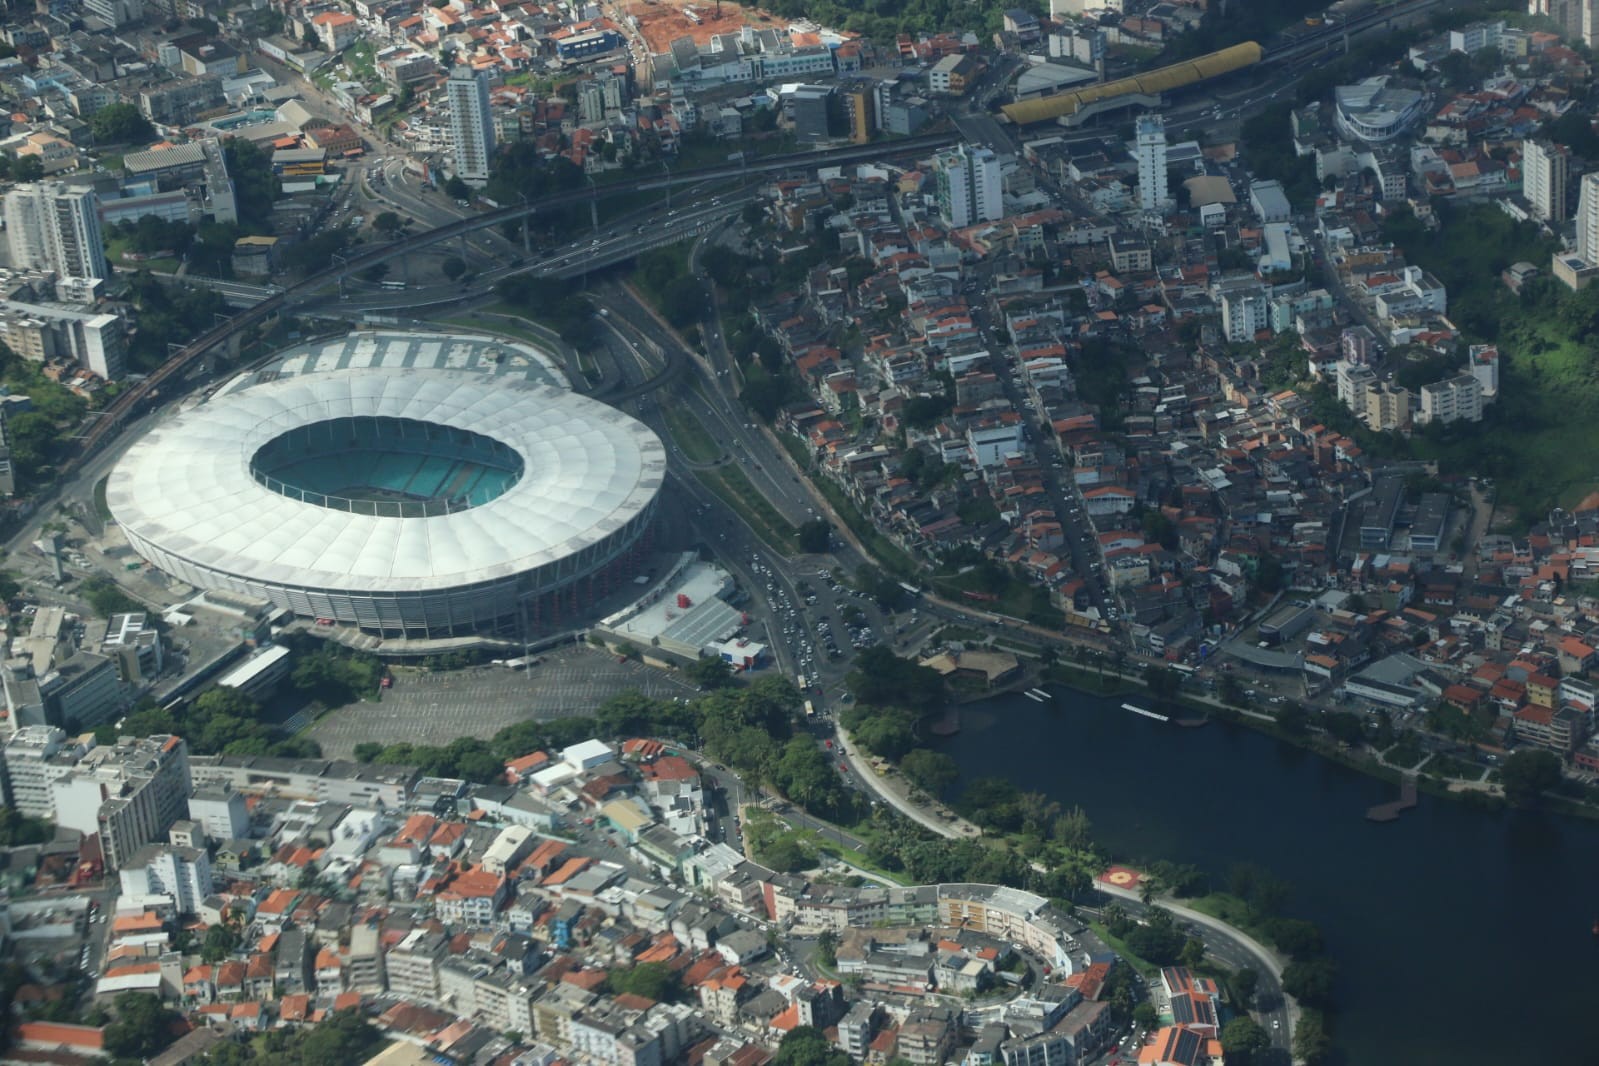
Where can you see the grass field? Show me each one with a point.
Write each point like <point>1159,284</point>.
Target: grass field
<point>698,445</point>
<point>101,508</point>
<point>735,490</point>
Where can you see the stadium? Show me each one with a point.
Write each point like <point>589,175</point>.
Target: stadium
<point>413,485</point>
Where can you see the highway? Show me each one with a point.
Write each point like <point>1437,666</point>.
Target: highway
<point>129,402</point>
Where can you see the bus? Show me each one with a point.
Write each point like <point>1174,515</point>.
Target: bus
<point>799,682</point>
<point>910,590</point>
<point>394,286</point>
<point>810,711</point>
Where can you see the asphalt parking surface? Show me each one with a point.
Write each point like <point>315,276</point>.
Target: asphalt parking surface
<point>426,708</point>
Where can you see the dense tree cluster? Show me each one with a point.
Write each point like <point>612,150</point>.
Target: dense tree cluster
<point>334,676</point>
<point>168,313</point>
<point>338,1040</point>
<point>1528,774</point>
<point>806,1045</point>
<point>107,597</point>
<point>17,828</point>
<point>219,721</point>
<point>881,677</point>
<point>749,728</point>
<point>143,1027</point>
<point>1155,939</point>
<point>255,187</point>
<point>120,124</point>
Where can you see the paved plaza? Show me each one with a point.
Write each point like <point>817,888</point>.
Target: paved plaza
<point>425,708</point>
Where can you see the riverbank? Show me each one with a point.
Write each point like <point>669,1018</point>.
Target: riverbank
<point>944,821</point>
<point>1485,796</point>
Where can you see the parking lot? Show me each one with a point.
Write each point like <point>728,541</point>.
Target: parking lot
<point>425,708</point>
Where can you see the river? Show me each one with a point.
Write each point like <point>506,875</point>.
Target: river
<point>1462,936</point>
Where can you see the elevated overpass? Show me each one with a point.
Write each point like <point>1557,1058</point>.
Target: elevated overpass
<point>170,373</point>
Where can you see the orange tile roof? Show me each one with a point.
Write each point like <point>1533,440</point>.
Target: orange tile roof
<point>279,902</point>
<point>137,923</point>
<point>80,1037</point>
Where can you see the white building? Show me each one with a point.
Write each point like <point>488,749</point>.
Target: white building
<point>34,757</point>
<point>222,810</point>
<point>1244,313</point>
<point>1484,362</point>
<point>161,870</point>
<point>1588,219</point>
<point>1456,399</point>
<point>130,794</point>
<point>53,226</point>
<point>1544,173</point>
<point>98,342</point>
<point>1375,111</point>
<point>1150,151</point>
<point>989,445</point>
<point>471,125</point>
<point>1354,379</point>
<point>969,187</point>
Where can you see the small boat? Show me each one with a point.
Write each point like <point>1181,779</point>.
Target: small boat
<point>1596,927</point>
<point>1146,714</point>
<point>1038,693</point>
<point>1033,695</point>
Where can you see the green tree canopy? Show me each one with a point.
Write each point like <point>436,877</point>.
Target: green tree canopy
<point>143,1027</point>
<point>120,124</point>
<point>1242,1038</point>
<point>1529,773</point>
<point>931,771</point>
<point>652,980</point>
<point>805,1045</point>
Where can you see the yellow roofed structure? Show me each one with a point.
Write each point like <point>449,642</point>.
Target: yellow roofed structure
<point>1153,83</point>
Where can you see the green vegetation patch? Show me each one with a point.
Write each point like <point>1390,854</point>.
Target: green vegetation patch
<point>690,435</point>
<point>734,489</point>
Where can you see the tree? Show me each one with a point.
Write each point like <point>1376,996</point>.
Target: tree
<point>827,948</point>
<point>453,267</point>
<point>119,124</point>
<point>1244,1038</point>
<point>815,536</point>
<point>27,168</point>
<point>1344,726</point>
<point>1528,774</point>
<point>105,595</point>
<point>1242,985</point>
<point>1310,980</point>
<point>142,1029</point>
<point>255,187</point>
<point>1193,953</point>
<point>806,1046</point>
<point>931,771</point>
<point>1312,1044</point>
<point>1144,1015</point>
<point>1162,681</point>
<point>709,672</point>
<point>220,942</point>
<point>457,189</point>
<point>388,223</point>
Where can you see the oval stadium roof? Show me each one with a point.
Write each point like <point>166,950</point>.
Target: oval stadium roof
<point>187,485</point>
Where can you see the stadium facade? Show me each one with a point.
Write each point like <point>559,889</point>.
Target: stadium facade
<point>403,483</point>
